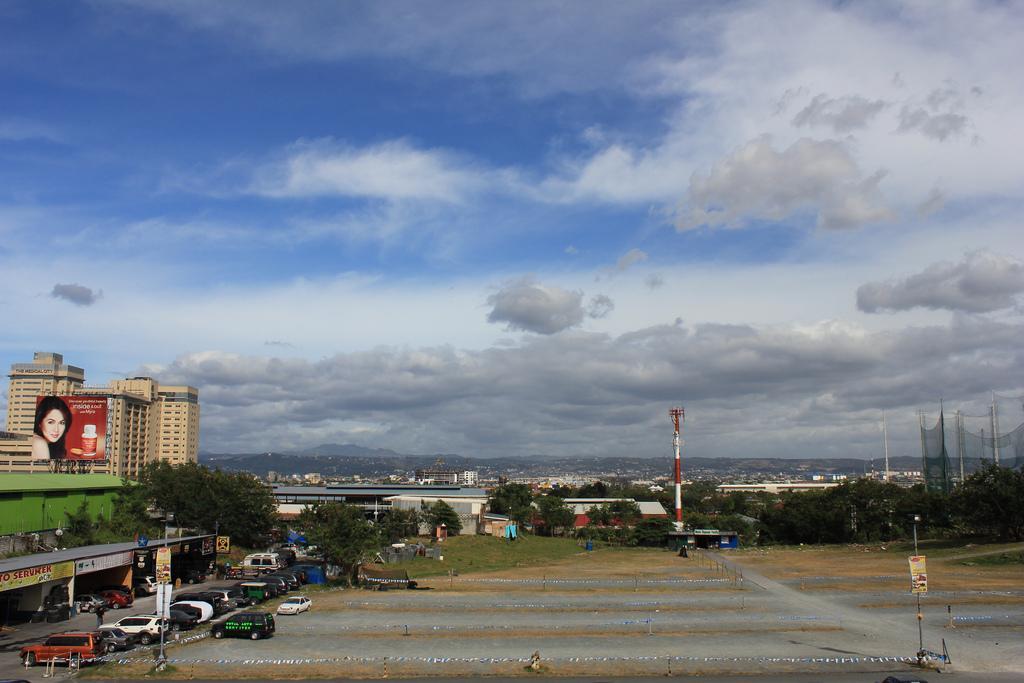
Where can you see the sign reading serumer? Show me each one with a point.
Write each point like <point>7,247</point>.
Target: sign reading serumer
<point>918,574</point>
<point>19,578</point>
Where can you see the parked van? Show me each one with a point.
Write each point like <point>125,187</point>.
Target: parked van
<point>263,562</point>
<point>64,647</point>
<point>144,585</point>
<point>257,590</point>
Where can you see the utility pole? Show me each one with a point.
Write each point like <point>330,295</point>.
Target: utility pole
<point>920,632</point>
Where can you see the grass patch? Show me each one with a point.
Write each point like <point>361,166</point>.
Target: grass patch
<point>996,560</point>
<point>478,553</point>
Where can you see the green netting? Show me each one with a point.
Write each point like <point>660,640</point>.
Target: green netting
<point>982,446</point>
<point>935,457</point>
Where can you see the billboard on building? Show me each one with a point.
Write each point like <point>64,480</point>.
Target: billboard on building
<point>71,428</point>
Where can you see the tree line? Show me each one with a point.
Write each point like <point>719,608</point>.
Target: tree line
<point>989,503</point>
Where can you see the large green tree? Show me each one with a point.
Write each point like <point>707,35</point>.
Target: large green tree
<point>514,500</point>
<point>131,517</point>
<point>440,513</point>
<point>556,514</point>
<point>397,524</point>
<point>991,501</point>
<point>342,534</point>
<point>235,504</point>
<point>653,531</point>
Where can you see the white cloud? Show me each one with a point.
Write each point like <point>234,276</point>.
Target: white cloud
<point>25,129</point>
<point>630,258</point>
<point>578,394</point>
<point>76,294</point>
<point>654,281</point>
<point>529,306</point>
<point>393,170</point>
<point>980,283</point>
<point>600,306</point>
<point>756,182</point>
<point>938,126</point>
<point>842,114</point>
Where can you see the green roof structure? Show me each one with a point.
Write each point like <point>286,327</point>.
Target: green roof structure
<point>57,482</point>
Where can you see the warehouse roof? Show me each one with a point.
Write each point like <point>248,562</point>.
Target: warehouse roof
<point>362,491</point>
<point>57,482</point>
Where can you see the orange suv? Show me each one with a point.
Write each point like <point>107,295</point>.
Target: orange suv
<point>63,647</point>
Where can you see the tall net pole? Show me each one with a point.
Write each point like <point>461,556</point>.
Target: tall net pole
<point>885,443</point>
<point>678,415</point>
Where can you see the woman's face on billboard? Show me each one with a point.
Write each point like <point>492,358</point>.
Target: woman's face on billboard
<point>52,426</point>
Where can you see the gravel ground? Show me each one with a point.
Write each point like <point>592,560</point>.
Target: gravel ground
<point>613,626</point>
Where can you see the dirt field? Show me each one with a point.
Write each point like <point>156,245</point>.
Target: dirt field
<point>841,568</point>
<point>827,610</point>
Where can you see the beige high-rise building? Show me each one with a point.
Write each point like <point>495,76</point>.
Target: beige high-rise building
<point>146,423</point>
<point>46,375</point>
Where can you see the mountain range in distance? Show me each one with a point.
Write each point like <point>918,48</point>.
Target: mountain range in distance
<point>349,460</point>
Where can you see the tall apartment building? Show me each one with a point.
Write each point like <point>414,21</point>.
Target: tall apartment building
<point>147,422</point>
<point>46,375</point>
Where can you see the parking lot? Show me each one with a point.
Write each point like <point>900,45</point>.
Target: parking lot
<point>14,637</point>
<point>670,615</point>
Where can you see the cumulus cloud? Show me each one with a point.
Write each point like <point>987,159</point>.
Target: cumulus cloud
<point>842,114</point>
<point>936,126</point>
<point>76,294</point>
<point>939,117</point>
<point>596,394</point>
<point>529,306</point>
<point>756,182</point>
<point>394,170</point>
<point>980,283</point>
<point>600,306</point>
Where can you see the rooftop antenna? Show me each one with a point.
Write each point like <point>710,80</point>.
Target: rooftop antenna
<point>678,415</point>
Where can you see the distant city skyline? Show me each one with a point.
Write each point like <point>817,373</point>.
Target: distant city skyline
<point>523,230</point>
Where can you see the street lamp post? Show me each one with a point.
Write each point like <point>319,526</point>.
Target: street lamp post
<point>161,660</point>
<point>920,632</point>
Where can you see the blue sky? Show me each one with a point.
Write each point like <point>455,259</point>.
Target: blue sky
<point>514,230</point>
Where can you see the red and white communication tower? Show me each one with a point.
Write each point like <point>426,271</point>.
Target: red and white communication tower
<point>678,415</point>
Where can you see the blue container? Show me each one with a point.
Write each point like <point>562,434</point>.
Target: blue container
<point>590,546</point>
<point>315,575</point>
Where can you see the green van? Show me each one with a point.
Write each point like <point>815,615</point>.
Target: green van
<point>252,625</point>
<point>257,590</point>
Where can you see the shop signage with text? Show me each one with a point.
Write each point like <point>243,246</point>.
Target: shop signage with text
<point>19,578</point>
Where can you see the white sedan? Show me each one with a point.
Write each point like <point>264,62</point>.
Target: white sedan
<point>299,603</point>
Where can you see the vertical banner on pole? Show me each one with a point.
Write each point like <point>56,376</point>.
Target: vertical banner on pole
<point>163,565</point>
<point>918,574</point>
<point>163,599</point>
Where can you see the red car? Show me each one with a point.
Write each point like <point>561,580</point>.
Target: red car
<point>117,599</point>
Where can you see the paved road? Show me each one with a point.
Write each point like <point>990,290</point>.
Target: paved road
<point>898,629</point>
